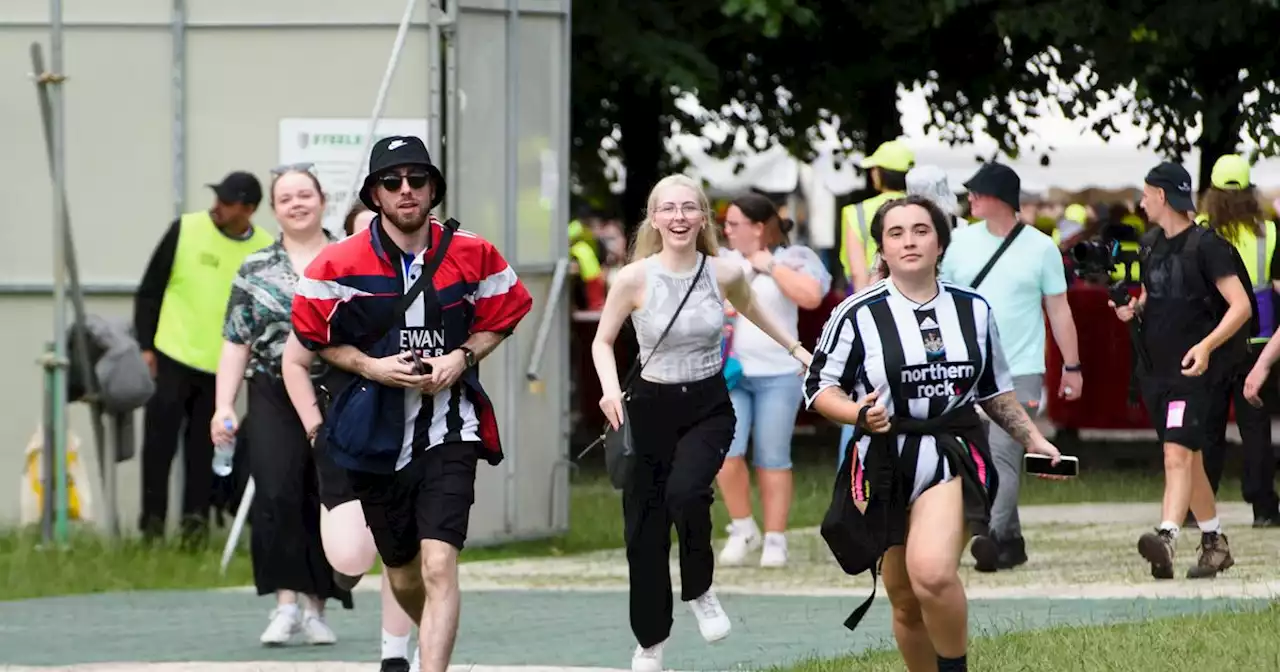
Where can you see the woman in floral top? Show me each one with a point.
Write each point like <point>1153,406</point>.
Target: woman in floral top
<point>288,554</point>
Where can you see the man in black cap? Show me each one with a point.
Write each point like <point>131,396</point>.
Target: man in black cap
<point>1193,303</point>
<point>426,419</point>
<point>178,313</point>
<point>1018,270</point>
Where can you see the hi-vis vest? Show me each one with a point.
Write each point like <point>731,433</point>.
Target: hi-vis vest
<point>1257,260</point>
<point>195,302</point>
<point>859,215</point>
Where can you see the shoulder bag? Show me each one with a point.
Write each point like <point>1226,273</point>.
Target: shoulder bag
<point>355,432</point>
<point>1004,245</point>
<point>619,449</point>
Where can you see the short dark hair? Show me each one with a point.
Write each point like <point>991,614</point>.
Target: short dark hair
<point>760,208</point>
<point>941,224</point>
<point>349,222</point>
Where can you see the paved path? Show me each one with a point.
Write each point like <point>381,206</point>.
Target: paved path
<point>570,613</point>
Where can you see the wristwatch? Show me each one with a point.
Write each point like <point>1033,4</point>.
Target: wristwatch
<point>468,355</point>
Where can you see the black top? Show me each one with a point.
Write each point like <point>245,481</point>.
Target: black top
<point>1173,319</point>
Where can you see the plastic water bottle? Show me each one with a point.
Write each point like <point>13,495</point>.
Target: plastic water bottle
<point>223,453</point>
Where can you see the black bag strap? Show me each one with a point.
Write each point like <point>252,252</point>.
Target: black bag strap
<point>1008,240</point>
<point>428,272</point>
<point>638,366</point>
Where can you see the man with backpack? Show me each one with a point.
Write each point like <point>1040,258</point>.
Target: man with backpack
<point>1195,317</point>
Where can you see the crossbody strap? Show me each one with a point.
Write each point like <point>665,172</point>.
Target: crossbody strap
<point>428,272</point>
<point>638,367</point>
<point>1008,240</point>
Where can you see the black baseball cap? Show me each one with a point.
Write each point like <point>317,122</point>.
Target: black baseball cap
<point>997,180</point>
<point>238,187</point>
<point>393,152</point>
<point>1176,183</point>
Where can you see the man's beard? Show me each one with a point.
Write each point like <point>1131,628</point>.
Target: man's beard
<point>406,224</point>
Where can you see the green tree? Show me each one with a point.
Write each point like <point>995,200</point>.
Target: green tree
<point>1182,59</point>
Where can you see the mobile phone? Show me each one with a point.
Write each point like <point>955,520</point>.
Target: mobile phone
<point>420,367</point>
<point>1042,464</point>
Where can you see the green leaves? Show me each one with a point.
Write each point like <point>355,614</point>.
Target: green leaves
<point>770,13</point>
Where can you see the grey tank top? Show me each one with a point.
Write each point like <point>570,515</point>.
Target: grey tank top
<point>691,351</point>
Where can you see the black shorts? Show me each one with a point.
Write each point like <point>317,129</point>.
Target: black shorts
<point>1189,412</point>
<point>430,498</point>
<point>335,487</point>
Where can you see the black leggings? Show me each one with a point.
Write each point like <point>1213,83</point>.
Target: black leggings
<point>1257,478</point>
<point>287,551</point>
<point>681,433</point>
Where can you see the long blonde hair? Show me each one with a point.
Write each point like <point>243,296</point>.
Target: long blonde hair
<point>648,239</point>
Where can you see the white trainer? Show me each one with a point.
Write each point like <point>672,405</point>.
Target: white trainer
<point>743,539</point>
<point>713,623</point>
<point>416,665</point>
<point>285,623</point>
<point>316,631</point>
<point>648,660</point>
<point>774,554</point>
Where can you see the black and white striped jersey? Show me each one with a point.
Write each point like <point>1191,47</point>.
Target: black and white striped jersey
<point>924,359</point>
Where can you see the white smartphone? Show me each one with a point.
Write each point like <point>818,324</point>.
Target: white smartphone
<point>1042,464</point>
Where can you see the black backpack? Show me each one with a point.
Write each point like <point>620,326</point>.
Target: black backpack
<point>1207,291</point>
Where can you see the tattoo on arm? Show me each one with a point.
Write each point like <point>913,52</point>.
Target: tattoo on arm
<point>1006,412</point>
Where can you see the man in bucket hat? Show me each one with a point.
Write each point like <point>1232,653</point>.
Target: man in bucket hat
<point>413,419</point>
<point>1019,271</point>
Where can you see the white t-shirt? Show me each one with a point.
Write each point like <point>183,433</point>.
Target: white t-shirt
<point>759,354</point>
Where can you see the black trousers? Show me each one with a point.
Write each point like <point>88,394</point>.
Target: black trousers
<point>182,394</point>
<point>288,553</point>
<point>681,433</point>
<point>1257,478</point>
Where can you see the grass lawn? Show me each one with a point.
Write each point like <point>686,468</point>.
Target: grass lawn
<point>596,523</point>
<point>1241,640</point>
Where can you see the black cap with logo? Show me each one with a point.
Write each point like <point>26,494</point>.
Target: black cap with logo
<point>238,187</point>
<point>1176,183</point>
<point>396,151</point>
<point>999,181</point>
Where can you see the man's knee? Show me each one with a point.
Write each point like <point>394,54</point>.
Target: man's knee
<point>439,565</point>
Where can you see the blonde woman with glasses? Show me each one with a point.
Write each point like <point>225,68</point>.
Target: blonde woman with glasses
<point>677,403</point>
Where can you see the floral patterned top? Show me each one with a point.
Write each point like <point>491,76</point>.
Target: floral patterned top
<point>259,312</point>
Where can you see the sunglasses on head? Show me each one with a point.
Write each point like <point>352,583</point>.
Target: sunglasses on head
<point>292,168</point>
<point>392,181</point>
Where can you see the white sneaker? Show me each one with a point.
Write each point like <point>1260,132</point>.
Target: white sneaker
<point>743,539</point>
<point>285,623</point>
<point>713,623</point>
<point>774,554</point>
<point>416,665</point>
<point>648,660</point>
<point>316,631</point>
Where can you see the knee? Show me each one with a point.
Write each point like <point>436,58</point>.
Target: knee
<point>931,579</point>
<point>439,565</point>
<point>906,608</point>
<point>1176,457</point>
<point>348,544</point>
<point>683,493</point>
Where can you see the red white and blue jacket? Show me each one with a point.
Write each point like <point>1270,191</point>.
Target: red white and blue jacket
<point>354,285</point>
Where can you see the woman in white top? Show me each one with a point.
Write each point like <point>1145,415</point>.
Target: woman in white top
<point>678,408</point>
<point>767,396</point>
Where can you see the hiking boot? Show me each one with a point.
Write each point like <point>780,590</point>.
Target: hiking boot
<point>1157,548</point>
<point>991,553</point>
<point>1215,556</point>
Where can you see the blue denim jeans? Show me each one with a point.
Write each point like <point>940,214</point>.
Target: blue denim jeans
<point>766,407</point>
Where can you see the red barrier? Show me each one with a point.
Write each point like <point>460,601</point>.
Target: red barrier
<point>1105,364</point>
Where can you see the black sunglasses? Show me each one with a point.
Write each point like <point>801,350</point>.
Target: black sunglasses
<point>392,181</point>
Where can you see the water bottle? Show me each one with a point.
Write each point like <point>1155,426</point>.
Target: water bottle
<point>223,453</point>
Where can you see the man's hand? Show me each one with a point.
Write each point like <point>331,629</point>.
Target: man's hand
<point>1253,385</point>
<point>445,371</point>
<point>149,358</point>
<point>1127,311</point>
<point>394,371</point>
<point>1071,385</point>
<point>1196,360</point>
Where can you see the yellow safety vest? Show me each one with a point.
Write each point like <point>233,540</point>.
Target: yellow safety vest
<point>860,215</point>
<point>1117,273</point>
<point>195,301</point>
<point>588,265</point>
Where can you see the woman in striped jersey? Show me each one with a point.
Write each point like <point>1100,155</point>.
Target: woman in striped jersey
<point>917,355</point>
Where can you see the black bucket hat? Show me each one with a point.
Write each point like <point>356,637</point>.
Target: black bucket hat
<point>997,180</point>
<point>393,152</point>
